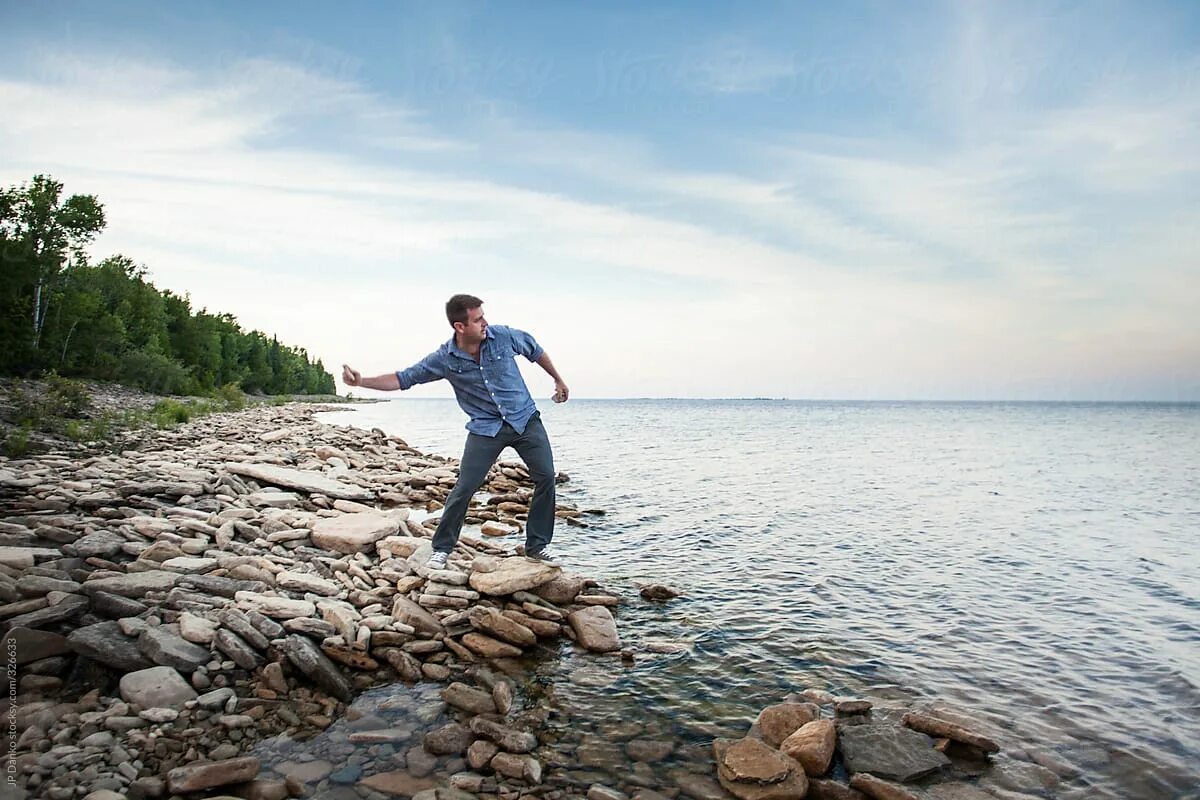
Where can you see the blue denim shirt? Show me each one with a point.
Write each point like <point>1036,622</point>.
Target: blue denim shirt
<point>491,391</point>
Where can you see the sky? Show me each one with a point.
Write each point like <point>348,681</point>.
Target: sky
<point>947,201</point>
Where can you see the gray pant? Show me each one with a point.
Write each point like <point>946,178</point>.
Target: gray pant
<point>479,455</point>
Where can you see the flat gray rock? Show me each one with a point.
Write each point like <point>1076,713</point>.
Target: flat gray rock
<point>69,606</point>
<point>104,642</point>
<point>134,584</point>
<point>300,479</point>
<point>157,687</point>
<point>889,751</point>
<point>309,659</point>
<point>171,650</point>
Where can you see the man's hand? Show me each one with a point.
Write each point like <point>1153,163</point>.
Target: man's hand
<point>561,392</point>
<point>351,377</point>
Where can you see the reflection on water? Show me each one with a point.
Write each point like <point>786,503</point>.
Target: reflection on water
<point>1032,565</point>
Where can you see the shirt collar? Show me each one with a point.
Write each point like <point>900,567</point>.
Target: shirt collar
<point>455,350</point>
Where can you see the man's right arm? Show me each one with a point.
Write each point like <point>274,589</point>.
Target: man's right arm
<point>424,371</point>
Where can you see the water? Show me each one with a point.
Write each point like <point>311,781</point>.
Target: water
<point>1033,566</point>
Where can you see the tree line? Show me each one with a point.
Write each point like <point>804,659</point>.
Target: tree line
<point>60,313</point>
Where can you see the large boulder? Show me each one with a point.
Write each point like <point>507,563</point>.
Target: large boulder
<point>106,643</point>
<point>157,687</point>
<point>595,629</point>
<point>514,574</point>
<point>312,482</point>
<point>749,769</point>
<point>776,723</point>
<point>164,647</point>
<point>353,533</point>
<point>889,751</point>
<point>812,745</point>
<point>134,584</point>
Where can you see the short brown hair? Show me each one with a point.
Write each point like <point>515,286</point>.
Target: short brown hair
<point>458,306</point>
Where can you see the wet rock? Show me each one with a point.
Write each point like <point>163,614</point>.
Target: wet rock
<point>309,659</point>
<point>595,629</point>
<point>776,723</point>
<point>156,687</point>
<point>932,726</point>
<point>488,647</point>
<point>450,739</point>
<point>208,775</point>
<point>563,589</point>
<point>305,772</point>
<point>889,752</point>
<point>657,591</point>
<point>879,789</point>
<point>820,789</point>
<point>104,642</point>
<point>509,739</point>
<point>513,575</point>
<point>648,750</point>
<point>353,533</point>
<point>752,770</point>
<point>526,768</point>
<point>466,698</point>
<point>502,696</point>
<point>599,792</point>
<point>167,649</point>
<point>844,708</point>
<point>399,782</point>
<point>812,745</point>
<point>699,787</point>
<point>480,753</point>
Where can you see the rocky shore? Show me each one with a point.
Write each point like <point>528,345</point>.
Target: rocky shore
<point>181,619</point>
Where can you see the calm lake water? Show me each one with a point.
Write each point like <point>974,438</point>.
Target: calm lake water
<point>1034,566</point>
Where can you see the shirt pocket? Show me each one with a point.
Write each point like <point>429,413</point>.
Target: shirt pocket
<point>461,366</point>
<point>503,365</point>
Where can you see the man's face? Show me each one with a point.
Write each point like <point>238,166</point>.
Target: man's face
<point>472,330</point>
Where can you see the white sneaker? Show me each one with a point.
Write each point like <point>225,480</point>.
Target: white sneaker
<point>437,560</point>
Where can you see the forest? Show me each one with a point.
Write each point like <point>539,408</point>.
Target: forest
<point>62,314</point>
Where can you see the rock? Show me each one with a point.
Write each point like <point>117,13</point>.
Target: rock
<point>68,606</point>
<point>889,752</point>
<point>305,772</point>
<point>134,584</point>
<point>278,607</point>
<point>488,647</point>
<point>353,533</point>
<point>598,792</point>
<point>220,585</point>
<point>303,582</point>
<point>104,642</point>
<point>480,753</point>
<point>399,782</point>
<point>25,557</point>
<point>188,565</point>
<point>237,649</point>
<point>502,696</point>
<point>513,575</point>
<point>526,768</point>
<point>408,612</point>
<point>156,687</point>
<point>648,750</point>
<point>166,648</point>
<point>311,482</point>
<point>30,645</point>
<point>700,787</point>
<point>215,699</point>
<point>196,629</point>
<point>819,789</point>
<point>510,739</point>
<point>932,726</point>
<point>776,723</point>
<point>450,739</point>
<point>562,590</point>
<point>879,789</point>
<point>114,606</point>
<point>752,770</point>
<point>239,623</point>
<point>595,629</point>
<point>490,528</point>
<point>812,745</point>
<point>316,665</point>
<point>210,774</point>
<point>845,708</point>
<point>462,696</point>
<point>657,591</point>
<point>495,624</point>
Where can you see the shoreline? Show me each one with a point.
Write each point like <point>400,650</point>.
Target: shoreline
<point>292,589</point>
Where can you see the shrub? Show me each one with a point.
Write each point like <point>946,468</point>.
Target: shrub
<point>232,396</point>
<point>167,413</point>
<point>154,372</point>
<point>16,443</point>
<point>66,398</point>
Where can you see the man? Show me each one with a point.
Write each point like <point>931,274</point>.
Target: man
<point>478,361</point>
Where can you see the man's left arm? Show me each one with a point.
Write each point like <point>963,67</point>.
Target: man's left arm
<point>561,392</point>
<point>527,346</point>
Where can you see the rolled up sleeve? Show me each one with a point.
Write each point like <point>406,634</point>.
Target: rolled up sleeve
<point>524,344</point>
<point>427,370</point>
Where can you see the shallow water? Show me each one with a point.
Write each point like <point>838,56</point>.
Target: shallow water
<point>1034,566</point>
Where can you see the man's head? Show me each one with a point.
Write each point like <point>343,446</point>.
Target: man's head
<point>465,313</point>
